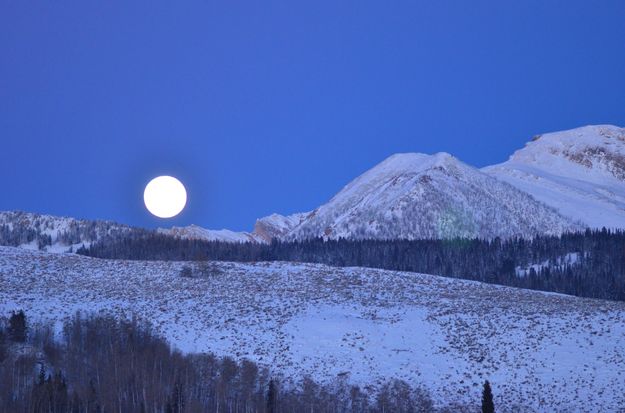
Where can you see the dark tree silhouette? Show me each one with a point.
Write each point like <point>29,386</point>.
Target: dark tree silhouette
<point>17,327</point>
<point>488,406</point>
<point>272,395</point>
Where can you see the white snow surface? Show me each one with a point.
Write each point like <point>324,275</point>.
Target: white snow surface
<point>66,233</point>
<point>197,232</point>
<point>580,172</point>
<point>276,226</point>
<point>416,196</point>
<point>542,352</point>
<point>569,260</point>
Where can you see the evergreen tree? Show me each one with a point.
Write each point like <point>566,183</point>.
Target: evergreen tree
<point>17,327</point>
<point>487,399</point>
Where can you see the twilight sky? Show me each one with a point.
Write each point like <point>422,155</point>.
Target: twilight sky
<point>262,107</point>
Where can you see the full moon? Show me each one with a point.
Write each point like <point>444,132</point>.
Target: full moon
<point>165,196</point>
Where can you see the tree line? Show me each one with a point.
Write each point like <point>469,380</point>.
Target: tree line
<point>596,267</point>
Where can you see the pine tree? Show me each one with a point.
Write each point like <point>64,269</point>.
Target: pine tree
<point>487,399</point>
<point>17,327</point>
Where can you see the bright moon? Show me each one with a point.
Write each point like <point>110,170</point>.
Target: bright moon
<point>165,196</point>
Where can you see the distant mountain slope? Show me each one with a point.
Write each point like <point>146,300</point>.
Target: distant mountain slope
<point>51,233</point>
<point>277,226</point>
<point>65,234</point>
<point>274,226</point>
<point>415,196</point>
<point>580,172</point>
<point>562,181</point>
<point>197,232</point>
<point>542,352</point>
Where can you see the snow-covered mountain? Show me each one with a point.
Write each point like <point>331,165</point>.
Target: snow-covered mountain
<point>278,226</point>
<point>65,234</point>
<point>197,232</point>
<point>580,172</point>
<point>51,233</point>
<point>415,196</point>
<point>560,181</point>
<point>274,226</point>
<point>542,352</point>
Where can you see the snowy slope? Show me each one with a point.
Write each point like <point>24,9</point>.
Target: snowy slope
<point>52,233</point>
<point>580,172</point>
<point>429,196</point>
<point>276,226</point>
<point>197,232</point>
<point>62,234</point>
<point>542,352</point>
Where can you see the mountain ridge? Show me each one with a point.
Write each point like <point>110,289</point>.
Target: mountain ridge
<point>413,195</point>
<point>559,181</point>
<point>580,172</point>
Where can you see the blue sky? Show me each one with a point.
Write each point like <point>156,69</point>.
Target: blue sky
<point>262,107</point>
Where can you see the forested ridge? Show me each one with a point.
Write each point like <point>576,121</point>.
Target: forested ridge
<point>587,264</point>
<point>21,228</point>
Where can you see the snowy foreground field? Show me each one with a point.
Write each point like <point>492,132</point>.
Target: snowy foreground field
<point>542,352</point>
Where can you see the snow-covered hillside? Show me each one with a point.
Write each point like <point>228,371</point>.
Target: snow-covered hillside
<point>580,172</point>
<point>197,232</point>
<point>64,234</point>
<point>276,226</point>
<point>415,196</point>
<point>542,352</point>
<point>52,233</point>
